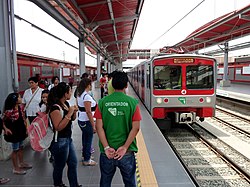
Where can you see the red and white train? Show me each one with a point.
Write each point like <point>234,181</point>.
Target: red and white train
<point>45,68</point>
<point>176,88</point>
<point>238,70</point>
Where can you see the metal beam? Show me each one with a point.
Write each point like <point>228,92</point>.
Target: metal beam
<point>119,41</point>
<point>49,9</point>
<point>110,21</point>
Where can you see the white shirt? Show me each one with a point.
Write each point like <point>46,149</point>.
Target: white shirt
<point>42,108</point>
<point>33,107</point>
<point>80,101</point>
<point>51,86</point>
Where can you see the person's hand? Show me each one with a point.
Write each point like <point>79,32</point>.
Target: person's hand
<point>7,131</point>
<point>72,109</point>
<point>76,108</point>
<point>94,128</point>
<point>110,152</point>
<point>121,151</point>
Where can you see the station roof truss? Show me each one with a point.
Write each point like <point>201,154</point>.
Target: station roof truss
<point>228,27</point>
<point>106,26</point>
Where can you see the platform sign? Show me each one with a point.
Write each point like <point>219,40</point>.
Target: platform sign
<point>182,100</point>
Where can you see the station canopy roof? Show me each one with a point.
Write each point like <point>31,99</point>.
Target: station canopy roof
<point>107,26</point>
<point>230,26</point>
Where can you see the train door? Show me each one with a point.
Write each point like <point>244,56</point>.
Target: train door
<point>147,86</point>
<point>142,83</point>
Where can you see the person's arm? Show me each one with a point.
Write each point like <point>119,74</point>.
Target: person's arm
<point>59,122</point>
<point>109,151</point>
<point>6,130</point>
<point>135,129</point>
<point>87,106</point>
<point>123,149</point>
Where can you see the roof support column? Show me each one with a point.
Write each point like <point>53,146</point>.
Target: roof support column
<point>105,66</point>
<point>225,82</point>
<point>98,69</point>
<point>8,62</point>
<point>82,55</point>
<point>109,67</point>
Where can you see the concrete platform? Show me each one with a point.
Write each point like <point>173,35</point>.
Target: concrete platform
<point>235,91</point>
<point>156,161</point>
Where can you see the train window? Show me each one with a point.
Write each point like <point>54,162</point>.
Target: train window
<point>167,77</point>
<point>199,77</point>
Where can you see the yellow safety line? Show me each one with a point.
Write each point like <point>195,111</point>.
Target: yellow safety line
<point>146,173</point>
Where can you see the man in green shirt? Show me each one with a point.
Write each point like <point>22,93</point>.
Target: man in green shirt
<point>117,123</point>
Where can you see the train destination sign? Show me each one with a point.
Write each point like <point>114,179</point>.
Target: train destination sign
<point>183,60</point>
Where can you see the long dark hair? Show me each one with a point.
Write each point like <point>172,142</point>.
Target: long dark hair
<point>56,93</point>
<point>43,92</point>
<point>10,101</point>
<point>83,85</point>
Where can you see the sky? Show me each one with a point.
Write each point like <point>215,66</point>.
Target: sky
<point>157,26</point>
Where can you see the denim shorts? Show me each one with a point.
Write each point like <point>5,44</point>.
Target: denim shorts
<point>17,146</point>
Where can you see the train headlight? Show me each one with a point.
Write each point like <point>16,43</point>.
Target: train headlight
<point>159,100</point>
<point>208,99</point>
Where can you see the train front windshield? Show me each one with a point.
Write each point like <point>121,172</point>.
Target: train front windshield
<point>167,77</point>
<point>199,77</point>
<point>170,77</point>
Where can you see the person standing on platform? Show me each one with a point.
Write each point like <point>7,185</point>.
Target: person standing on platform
<point>43,102</point>
<point>84,75</point>
<point>55,80</point>
<point>110,87</point>
<point>87,106</point>
<point>15,131</point>
<point>32,98</point>
<point>103,81</point>
<point>117,123</point>
<point>62,147</point>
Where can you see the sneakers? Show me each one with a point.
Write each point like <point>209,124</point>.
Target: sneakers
<point>92,150</point>
<point>19,172</point>
<point>89,163</point>
<point>4,180</point>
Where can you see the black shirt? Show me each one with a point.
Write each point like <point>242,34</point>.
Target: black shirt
<point>67,131</point>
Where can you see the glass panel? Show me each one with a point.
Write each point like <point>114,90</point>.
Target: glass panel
<point>167,77</point>
<point>200,77</point>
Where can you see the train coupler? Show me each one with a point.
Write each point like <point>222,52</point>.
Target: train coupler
<point>183,118</point>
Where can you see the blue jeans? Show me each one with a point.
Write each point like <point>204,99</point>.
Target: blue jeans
<point>64,153</point>
<point>17,146</point>
<point>87,137</point>
<point>126,165</point>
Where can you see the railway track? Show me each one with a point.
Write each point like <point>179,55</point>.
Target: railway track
<point>233,123</point>
<point>209,160</point>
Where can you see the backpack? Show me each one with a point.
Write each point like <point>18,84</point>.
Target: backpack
<point>41,132</point>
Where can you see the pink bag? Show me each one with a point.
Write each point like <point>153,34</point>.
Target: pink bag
<point>40,132</point>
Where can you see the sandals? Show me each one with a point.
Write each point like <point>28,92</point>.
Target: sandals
<point>19,172</point>
<point>4,180</point>
<point>25,166</point>
<point>89,163</point>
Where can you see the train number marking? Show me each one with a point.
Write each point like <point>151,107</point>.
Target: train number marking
<point>182,100</point>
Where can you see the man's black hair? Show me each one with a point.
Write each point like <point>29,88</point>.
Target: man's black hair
<point>84,75</point>
<point>35,79</point>
<point>120,80</point>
